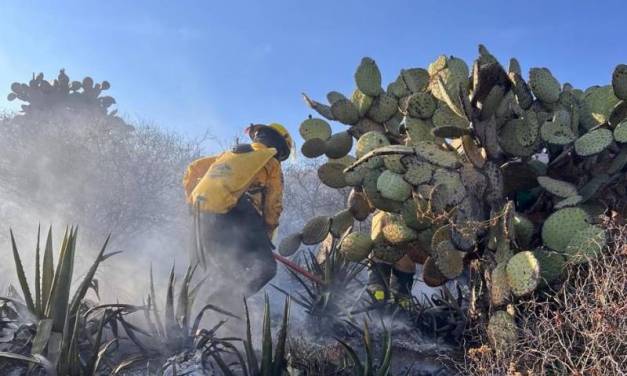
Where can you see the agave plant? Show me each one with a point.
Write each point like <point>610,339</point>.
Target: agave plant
<point>368,367</point>
<point>442,316</point>
<point>60,322</point>
<point>327,295</point>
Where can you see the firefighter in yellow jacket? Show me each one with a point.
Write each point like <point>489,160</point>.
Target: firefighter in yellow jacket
<point>238,198</point>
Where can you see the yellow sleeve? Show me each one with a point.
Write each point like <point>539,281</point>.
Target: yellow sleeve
<point>273,203</point>
<point>195,171</point>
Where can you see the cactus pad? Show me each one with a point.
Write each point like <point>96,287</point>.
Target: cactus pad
<point>562,226</point>
<point>387,253</point>
<point>418,130</point>
<point>568,201</point>
<point>620,132</point>
<point>619,81</point>
<point>556,187</point>
<point>502,332</point>
<point>419,105</point>
<point>368,77</point>
<point>448,259</point>
<point>552,265</point>
<point>341,222</point>
<point>356,246</point>
<point>339,145</point>
<point>392,186</point>
<point>315,128</point>
<point>416,79</point>
<point>499,288</point>
<point>586,244</point>
<point>593,142</point>
<point>431,153</point>
<point>332,175</point>
<point>431,275</point>
<point>290,245</point>
<point>316,230</point>
<point>371,141</point>
<point>313,148</point>
<point>598,103</point>
<point>345,111</point>
<point>543,85</point>
<point>524,230</point>
<point>361,101</point>
<point>383,108</point>
<point>358,205</point>
<point>419,173</point>
<point>396,232</point>
<point>523,273</point>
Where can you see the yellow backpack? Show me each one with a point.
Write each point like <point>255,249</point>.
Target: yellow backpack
<point>228,178</point>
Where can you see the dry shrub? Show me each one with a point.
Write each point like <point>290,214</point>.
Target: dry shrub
<point>580,328</point>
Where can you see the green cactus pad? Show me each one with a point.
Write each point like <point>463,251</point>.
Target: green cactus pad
<point>557,133</point>
<point>557,187</point>
<point>586,244</point>
<point>593,142</point>
<point>444,116</point>
<point>398,88</point>
<point>345,161</point>
<point>569,201</point>
<point>345,111</point>
<point>523,273</point>
<point>290,245</point>
<point>598,103</point>
<point>510,137</point>
<point>441,234</point>
<point>419,105</point>
<point>620,132</point>
<point>334,96</point>
<point>492,102</point>
<point>315,128</point>
<point>418,130</point>
<point>432,153</point>
<point>562,226</point>
<point>374,196</point>
<point>341,222</point>
<point>448,259</point>
<point>364,126</point>
<point>397,232</point>
<point>552,265</point>
<point>431,275</point>
<point>355,177</point>
<point>313,148</point>
<point>383,108</point>
<point>339,145</point>
<point>356,246</point>
<point>521,91</point>
<point>393,163</point>
<point>413,214</point>
<point>543,85</point>
<point>332,175</point>
<point>502,332</point>
<point>499,288</point>
<point>358,205</point>
<point>316,230</point>
<point>619,81</point>
<point>419,173</point>
<point>368,77</point>
<point>387,253</point>
<point>361,101</point>
<point>452,182</point>
<point>392,186</point>
<point>523,229</point>
<point>416,79</point>
<point>369,142</point>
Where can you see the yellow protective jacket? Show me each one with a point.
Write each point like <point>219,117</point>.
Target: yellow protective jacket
<point>267,185</point>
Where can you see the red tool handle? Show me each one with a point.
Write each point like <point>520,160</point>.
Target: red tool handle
<point>297,268</point>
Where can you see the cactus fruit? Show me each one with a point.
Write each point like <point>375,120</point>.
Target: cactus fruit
<point>597,106</point>
<point>586,244</point>
<point>290,244</point>
<point>356,246</point>
<point>419,105</point>
<point>361,101</point>
<point>345,111</point>
<point>431,275</point>
<point>552,265</point>
<point>416,79</point>
<point>619,81</point>
<point>432,153</point>
<point>316,230</point>
<point>620,132</point>
<point>339,145</point>
<point>313,148</point>
<point>387,253</point>
<point>383,108</point>
<point>523,273</point>
<point>556,187</point>
<point>448,259</point>
<point>499,288</point>
<point>502,332</point>
<point>368,77</point>
<point>543,85</point>
<point>369,142</point>
<point>332,175</point>
<point>562,225</point>
<point>341,222</point>
<point>315,128</point>
<point>392,186</point>
<point>593,142</point>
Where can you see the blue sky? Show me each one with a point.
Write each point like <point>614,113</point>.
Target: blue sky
<point>192,66</point>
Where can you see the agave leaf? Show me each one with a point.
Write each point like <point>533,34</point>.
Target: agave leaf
<point>360,370</point>
<point>93,362</point>
<point>40,341</point>
<point>368,346</point>
<point>73,360</point>
<point>279,356</point>
<point>183,303</point>
<point>60,293</point>
<point>251,357</point>
<point>100,356</point>
<point>160,326</point>
<point>80,293</point>
<point>34,359</point>
<point>300,302</point>
<point>127,363</point>
<point>21,276</point>
<point>47,273</point>
<point>226,370</point>
<point>211,307</point>
<point>266,340</point>
<point>384,369</point>
<point>38,310</point>
<point>224,342</point>
<point>170,320</point>
<point>130,331</point>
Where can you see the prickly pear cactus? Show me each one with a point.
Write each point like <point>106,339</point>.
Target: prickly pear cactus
<point>479,164</point>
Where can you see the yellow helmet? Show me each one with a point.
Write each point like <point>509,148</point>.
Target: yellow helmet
<point>283,132</point>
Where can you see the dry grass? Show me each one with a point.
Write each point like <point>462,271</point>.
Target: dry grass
<point>578,329</point>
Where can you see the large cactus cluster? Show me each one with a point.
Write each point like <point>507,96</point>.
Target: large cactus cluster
<point>42,95</point>
<point>464,163</point>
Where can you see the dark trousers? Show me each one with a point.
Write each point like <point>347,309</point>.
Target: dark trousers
<point>236,249</point>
